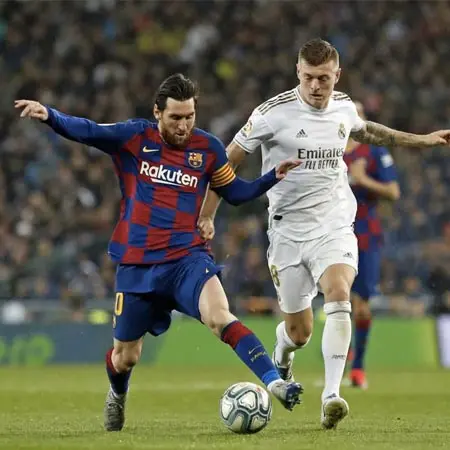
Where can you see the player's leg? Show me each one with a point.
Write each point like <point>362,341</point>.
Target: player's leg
<point>334,263</point>
<point>120,361</point>
<point>364,287</point>
<point>335,283</point>
<point>134,316</point>
<point>362,322</point>
<point>215,314</point>
<point>199,293</point>
<point>295,288</point>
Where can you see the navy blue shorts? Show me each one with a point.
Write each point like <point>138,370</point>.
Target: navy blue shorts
<point>146,295</point>
<point>368,279</point>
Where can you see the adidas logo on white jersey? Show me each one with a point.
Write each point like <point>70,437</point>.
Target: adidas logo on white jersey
<point>302,134</point>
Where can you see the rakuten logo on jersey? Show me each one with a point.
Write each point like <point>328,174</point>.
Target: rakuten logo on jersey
<point>165,175</point>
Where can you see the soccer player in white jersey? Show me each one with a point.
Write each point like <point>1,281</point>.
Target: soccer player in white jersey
<point>312,244</point>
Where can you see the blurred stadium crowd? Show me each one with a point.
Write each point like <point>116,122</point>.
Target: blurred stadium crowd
<point>103,59</point>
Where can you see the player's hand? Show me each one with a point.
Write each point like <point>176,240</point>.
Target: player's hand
<point>206,228</point>
<point>285,166</point>
<point>437,139</point>
<point>31,109</point>
<point>357,171</point>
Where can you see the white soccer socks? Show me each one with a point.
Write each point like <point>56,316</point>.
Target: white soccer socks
<point>285,347</point>
<point>335,344</point>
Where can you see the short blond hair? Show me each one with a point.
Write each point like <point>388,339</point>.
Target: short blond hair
<point>317,51</point>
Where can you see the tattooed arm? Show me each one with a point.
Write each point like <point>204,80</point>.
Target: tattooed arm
<point>377,134</point>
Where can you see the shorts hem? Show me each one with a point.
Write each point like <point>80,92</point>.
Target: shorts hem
<point>129,340</point>
<point>199,290</point>
<point>322,271</point>
<point>299,309</point>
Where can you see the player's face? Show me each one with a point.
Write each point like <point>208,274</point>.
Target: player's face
<point>176,122</point>
<point>317,82</point>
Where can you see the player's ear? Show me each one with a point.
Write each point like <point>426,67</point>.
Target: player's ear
<point>338,75</point>
<point>156,112</point>
<point>297,68</point>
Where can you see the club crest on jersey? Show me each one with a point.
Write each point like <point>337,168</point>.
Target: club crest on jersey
<point>342,132</point>
<point>195,159</point>
<point>247,128</point>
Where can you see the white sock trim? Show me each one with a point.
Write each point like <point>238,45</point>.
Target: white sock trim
<point>337,307</point>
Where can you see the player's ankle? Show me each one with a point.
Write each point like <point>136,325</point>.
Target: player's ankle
<point>273,383</point>
<point>119,396</point>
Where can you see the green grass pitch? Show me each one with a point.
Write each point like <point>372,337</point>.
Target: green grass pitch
<point>177,408</point>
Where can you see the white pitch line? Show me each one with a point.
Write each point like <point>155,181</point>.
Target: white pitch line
<point>98,389</point>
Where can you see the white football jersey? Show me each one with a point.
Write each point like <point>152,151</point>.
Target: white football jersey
<point>315,198</point>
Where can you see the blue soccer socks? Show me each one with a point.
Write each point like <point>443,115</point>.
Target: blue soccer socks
<point>119,381</point>
<point>250,350</point>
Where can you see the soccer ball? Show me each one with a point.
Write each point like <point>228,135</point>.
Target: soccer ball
<point>245,408</point>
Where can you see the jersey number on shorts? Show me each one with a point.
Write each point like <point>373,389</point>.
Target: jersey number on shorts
<point>118,306</point>
<point>274,275</point>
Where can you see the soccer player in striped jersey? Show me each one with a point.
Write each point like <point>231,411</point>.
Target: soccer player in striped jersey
<point>164,170</point>
<point>372,176</point>
<point>311,240</point>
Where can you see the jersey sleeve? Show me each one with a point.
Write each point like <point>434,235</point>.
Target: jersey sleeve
<point>109,137</point>
<point>233,189</point>
<point>386,170</point>
<point>253,133</point>
<point>222,173</point>
<point>356,122</point>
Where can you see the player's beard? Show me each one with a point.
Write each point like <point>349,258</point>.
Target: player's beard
<point>180,141</point>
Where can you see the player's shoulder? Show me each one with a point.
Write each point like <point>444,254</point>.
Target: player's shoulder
<point>383,155</point>
<point>342,103</point>
<point>273,104</point>
<point>137,125</point>
<point>206,140</point>
<point>141,122</point>
<point>340,97</point>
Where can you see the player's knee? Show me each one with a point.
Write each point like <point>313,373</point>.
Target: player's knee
<point>129,360</point>
<point>300,335</point>
<point>126,359</point>
<point>337,292</point>
<point>362,312</point>
<point>218,320</point>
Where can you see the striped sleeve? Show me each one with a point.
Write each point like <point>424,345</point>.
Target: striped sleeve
<point>222,176</point>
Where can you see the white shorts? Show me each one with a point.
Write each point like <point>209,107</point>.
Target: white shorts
<point>296,267</point>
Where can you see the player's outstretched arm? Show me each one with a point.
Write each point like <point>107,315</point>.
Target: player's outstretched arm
<point>106,137</point>
<point>238,190</point>
<point>377,134</point>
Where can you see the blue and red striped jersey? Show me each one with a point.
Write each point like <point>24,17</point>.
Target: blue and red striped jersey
<point>163,187</point>
<point>379,166</point>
